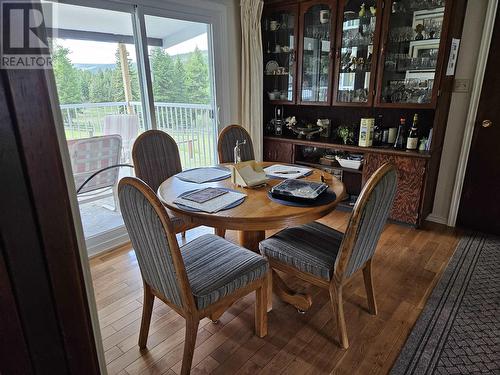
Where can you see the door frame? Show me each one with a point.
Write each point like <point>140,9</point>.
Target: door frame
<point>470,123</point>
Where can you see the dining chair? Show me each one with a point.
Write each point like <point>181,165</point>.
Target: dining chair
<point>227,140</point>
<point>200,279</point>
<point>328,258</point>
<point>156,158</point>
<point>225,149</point>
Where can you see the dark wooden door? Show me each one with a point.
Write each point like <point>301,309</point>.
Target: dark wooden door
<point>480,202</point>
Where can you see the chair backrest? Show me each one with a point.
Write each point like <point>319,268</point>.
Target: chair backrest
<point>367,221</point>
<point>154,243</point>
<point>88,155</point>
<point>156,157</point>
<point>227,140</point>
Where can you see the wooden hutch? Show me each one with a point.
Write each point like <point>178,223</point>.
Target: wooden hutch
<point>343,60</point>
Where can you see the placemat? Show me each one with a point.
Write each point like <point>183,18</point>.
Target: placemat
<point>191,209</point>
<point>181,175</point>
<point>284,178</point>
<point>327,197</point>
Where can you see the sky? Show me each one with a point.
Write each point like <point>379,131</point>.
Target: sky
<point>88,52</point>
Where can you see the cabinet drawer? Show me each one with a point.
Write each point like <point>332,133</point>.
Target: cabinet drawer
<point>278,151</point>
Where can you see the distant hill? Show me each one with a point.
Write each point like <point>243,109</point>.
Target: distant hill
<point>96,68</point>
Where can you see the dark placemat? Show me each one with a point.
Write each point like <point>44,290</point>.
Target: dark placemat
<point>191,209</point>
<point>179,175</point>
<point>327,197</point>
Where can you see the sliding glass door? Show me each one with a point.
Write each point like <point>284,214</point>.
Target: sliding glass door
<point>181,75</point>
<point>119,73</point>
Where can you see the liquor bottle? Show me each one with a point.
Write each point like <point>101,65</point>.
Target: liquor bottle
<point>412,141</point>
<point>378,131</point>
<point>399,143</point>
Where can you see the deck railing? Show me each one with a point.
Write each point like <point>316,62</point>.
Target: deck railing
<point>191,125</point>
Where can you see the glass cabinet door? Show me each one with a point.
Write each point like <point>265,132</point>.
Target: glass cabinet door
<point>412,48</point>
<point>316,47</point>
<point>357,51</point>
<point>279,31</point>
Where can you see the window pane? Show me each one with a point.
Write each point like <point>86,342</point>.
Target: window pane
<point>182,86</point>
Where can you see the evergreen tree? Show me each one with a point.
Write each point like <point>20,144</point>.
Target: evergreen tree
<point>162,67</point>
<point>178,89</point>
<point>85,79</point>
<point>67,77</point>
<point>101,87</point>
<point>197,83</point>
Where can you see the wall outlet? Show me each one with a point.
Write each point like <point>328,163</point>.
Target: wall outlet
<point>461,85</point>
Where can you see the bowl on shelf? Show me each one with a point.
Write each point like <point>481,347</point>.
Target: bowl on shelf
<point>348,162</point>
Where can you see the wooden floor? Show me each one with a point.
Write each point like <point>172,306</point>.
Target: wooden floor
<point>407,265</point>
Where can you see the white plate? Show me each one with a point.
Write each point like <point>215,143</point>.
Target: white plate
<point>272,66</point>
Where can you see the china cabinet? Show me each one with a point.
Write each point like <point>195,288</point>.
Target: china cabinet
<point>280,33</point>
<point>316,51</point>
<point>344,60</point>
<point>358,33</point>
<point>412,56</point>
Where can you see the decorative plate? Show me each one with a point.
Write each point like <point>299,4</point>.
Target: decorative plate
<point>272,66</point>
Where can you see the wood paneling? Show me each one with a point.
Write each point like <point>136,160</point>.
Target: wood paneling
<point>411,173</point>
<point>278,151</point>
<point>406,266</point>
<point>39,244</point>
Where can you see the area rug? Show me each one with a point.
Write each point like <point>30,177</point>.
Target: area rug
<point>458,331</point>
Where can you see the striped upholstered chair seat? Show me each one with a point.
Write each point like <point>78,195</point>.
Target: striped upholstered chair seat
<point>202,280</point>
<point>216,268</point>
<point>328,258</point>
<point>311,248</point>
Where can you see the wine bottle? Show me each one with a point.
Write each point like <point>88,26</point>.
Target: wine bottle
<point>399,143</point>
<point>378,131</point>
<point>412,141</point>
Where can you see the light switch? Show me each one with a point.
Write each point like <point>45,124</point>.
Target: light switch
<point>461,85</point>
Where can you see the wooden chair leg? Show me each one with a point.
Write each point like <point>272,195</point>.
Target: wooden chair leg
<point>261,309</point>
<point>220,232</point>
<point>338,313</point>
<point>192,324</point>
<point>370,293</point>
<point>147,310</point>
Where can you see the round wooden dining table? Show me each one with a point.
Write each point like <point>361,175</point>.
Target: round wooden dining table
<point>255,215</point>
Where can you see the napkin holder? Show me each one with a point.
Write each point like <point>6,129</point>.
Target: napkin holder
<point>248,174</point>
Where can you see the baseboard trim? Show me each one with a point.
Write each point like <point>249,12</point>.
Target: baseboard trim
<point>437,219</point>
<point>112,239</point>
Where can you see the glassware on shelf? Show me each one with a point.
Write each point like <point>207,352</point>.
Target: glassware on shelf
<point>356,51</point>
<point>412,51</point>
<point>279,42</point>
<point>316,54</point>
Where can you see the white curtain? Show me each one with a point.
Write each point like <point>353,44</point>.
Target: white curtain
<point>252,72</point>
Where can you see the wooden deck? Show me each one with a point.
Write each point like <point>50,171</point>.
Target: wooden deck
<point>407,265</point>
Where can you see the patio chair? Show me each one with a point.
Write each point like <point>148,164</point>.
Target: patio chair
<point>89,155</point>
<point>227,140</point>
<point>126,126</point>
<point>200,279</point>
<point>328,258</point>
<point>156,158</point>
